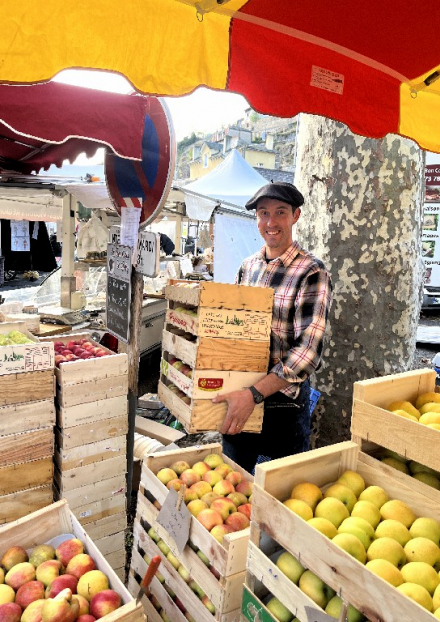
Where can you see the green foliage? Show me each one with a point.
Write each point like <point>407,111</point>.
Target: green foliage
<point>186,142</point>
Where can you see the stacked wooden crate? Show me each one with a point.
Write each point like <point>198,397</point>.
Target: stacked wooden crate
<point>216,340</point>
<point>271,519</point>
<point>27,417</point>
<point>222,582</point>
<point>90,446</point>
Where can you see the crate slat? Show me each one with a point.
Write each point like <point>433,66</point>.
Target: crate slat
<point>24,387</point>
<point>23,475</point>
<point>34,445</point>
<point>88,454</point>
<point>221,296</point>
<point>16,418</point>
<point>76,478</point>
<point>90,412</point>
<point>91,432</point>
<point>111,544</point>
<point>106,526</point>
<point>92,390</point>
<point>19,504</point>
<point>96,491</point>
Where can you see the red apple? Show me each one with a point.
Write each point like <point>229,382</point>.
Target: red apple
<point>208,604</point>
<point>71,344</point>
<point>210,518</point>
<point>220,531</point>
<point>59,358</point>
<point>201,488</point>
<point>245,487</point>
<point>84,606</point>
<point>10,612</point>
<point>61,583</point>
<point>68,549</point>
<point>223,469</point>
<point>48,571</point>
<point>27,593</point>
<point>212,477</point>
<point>85,617</point>
<point>174,483</point>
<point>190,477</point>
<point>237,521</point>
<point>180,605</point>
<point>172,360</point>
<point>235,477</point>
<point>61,608</point>
<point>104,602</point>
<point>245,509</point>
<point>214,571</point>
<point>224,506</point>
<point>79,565</point>
<point>223,488</point>
<point>20,574</point>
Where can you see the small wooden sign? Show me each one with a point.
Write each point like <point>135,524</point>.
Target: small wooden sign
<point>175,518</point>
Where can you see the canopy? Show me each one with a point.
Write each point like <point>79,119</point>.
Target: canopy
<point>370,64</point>
<point>233,182</point>
<point>53,122</point>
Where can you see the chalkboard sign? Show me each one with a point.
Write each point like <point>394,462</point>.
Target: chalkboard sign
<point>118,290</point>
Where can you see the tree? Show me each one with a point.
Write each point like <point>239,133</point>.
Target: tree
<point>362,216</point>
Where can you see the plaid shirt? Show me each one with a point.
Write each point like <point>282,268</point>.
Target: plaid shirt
<point>302,299</point>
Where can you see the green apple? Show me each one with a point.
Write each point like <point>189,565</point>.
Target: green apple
<point>334,608</point>
<point>353,480</point>
<point>368,511</point>
<point>417,593</point>
<point>343,493</point>
<point>387,548</point>
<point>163,547</point>
<point>416,467</point>
<point>333,510</point>
<point>153,535</point>
<point>425,527</point>
<point>396,464</point>
<point>386,570</point>
<point>315,589</point>
<point>391,528</point>
<point>324,526</point>
<point>374,494</point>
<point>421,573</point>
<point>352,545</point>
<point>290,566</point>
<point>398,510</point>
<point>422,550</point>
<point>359,523</point>
<point>436,598</point>
<point>357,532</point>
<point>279,611</point>
<point>428,479</point>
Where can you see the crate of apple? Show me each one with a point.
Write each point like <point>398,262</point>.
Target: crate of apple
<point>51,584</point>
<point>216,495</point>
<point>76,350</point>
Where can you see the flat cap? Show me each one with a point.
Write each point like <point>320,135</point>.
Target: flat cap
<point>281,190</point>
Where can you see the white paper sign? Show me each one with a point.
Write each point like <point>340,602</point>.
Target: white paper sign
<point>130,218</point>
<point>20,240</point>
<point>148,253</point>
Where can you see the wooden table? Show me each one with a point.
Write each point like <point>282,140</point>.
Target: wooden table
<point>47,330</point>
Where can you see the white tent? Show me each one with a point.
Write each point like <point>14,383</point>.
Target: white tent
<point>232,183</point>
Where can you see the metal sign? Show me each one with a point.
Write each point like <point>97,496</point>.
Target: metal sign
<point>148,253</point>
<point>145,184</point>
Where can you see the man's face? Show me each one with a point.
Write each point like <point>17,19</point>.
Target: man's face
<point>275,220</point>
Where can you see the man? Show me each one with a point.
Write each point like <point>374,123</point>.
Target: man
<point>166,244</point>
<point>302,289</point>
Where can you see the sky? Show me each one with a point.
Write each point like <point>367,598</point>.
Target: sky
<point>201,111</point>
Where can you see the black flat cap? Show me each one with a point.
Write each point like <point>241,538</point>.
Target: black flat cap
<point>280,190</point>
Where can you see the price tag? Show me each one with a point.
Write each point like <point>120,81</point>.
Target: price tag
<point>315,615</point>
<point>175,518</point>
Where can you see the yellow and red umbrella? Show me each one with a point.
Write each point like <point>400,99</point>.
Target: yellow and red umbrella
<point>371,64</point>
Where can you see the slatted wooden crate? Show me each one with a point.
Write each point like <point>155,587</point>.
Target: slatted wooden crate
<point>31,445</point>
<point>78,477</point>
<point>18,504</point>
<point>91,412</point>
<point>108,488</point>
<point>16,418</point>
<point>90,453</point>
<point>372,422</point>
<point>108,526</point>
<point>274,480</point>
<point>26,387</point>
<point>29,357</point>
<point>55,520</point>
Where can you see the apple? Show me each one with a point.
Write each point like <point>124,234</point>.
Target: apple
<point>79,565</point>
<point>61,583</point>
<point>238,498</point>
<point>245,487</point>
<point>197,506</point>
<point>421,573</point>
<point>352,545</point>
<point>158,506</point>
<point>190,477</point>
<point>209,518</point>
<point>208,604</point>
<point>152,533</point>
<point>175,483</point>
<point>27,593</point>
<point>316,589</point>
<point>32,613</point>
<point>300,508</point>
<point>358,532</point>
<point>189,495</point>
<point>393,529</point>
<point>163,548</point>
<point>417,593</point>
<point>68,549</point>
<point>7,594</point>
<point>386,570</point>
<point>223,488</point>
<point>278,610</point>
<point>201,488</point>
<point>343,493</point>
<point>156,604</point>
<point>398,510</point>
<point>237,521</point>
<point>184,573</point>
<point>19,574</point>
<point>375,494</point>
<point>104,602</point>
<point>85,617</point>
<point>307,492</point>
<point>48,571</point>
<point>368,511</point>
<point>212,477</point>
<point>61,608</point>
<point>180,466</point>
<point>235,477</point>
<point>84,607</point>
<point>179,605</point>
<point>290,566</point>
<point>353,480</point>
<point>177,365</point>
<point>210,497</point>
<point>10,612</point>
<point>185,369</point>
<point>245,509</point>
<point>59,358</point>
<point>425,527</point>
<point>389,549</point>
<point>201,468</point>
<point>13,556</point>
<point>172,360</point>
<point>333,510</point>
<point>166,475</point>
<point>422,550</point>
<point>186,399</point>
<point>334,609</point>
<point>196,589</point>
<point>324,526</point>
<point>223,469</point>
<point>41,553</point>
<point>224,506</point>
<point>173,560</point>
<point>91,583</point>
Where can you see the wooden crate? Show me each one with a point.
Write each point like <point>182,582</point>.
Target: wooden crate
<point>34,445</point>
<point>91,432</point>
<point>21,358</point>
<point>16,418</point>
<point>107,526</point>
<point>151,613</point>
<point>274,480</point>
<point>229,557</point>
<point>78,477</point>
<point>117,559</point>
<point>95,491</point>
<point>202,415</point>
<point>55,520</point>
<point>91,412</point>
<point>111,544</point>
<point>218,353</point>
<point>18,504</point>
<point>106,449</point>
<point>26,387</point>
<point>220,295</point>
<point>23,475</point>
<point>92,390</point>
<point>96,510</point>
<point>372,422</point>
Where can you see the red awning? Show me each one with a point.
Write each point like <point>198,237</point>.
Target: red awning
<point>46,124</point>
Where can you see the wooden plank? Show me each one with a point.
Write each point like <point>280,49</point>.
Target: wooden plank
<point>48,330</point>
<point>106,526</point>
<point>100,509</point>
<point>387,389</point>
<point>26,387</point>
<point>35,444</point>
<point>92,390</point>
<point>16,418</point>
<point>93,452</point>
<point>57,519</point>
<point>90,412</point>
<point>95,491</point>
<point>95,472</point>
<point>24,475</point>
<point>221,295</point>
<point>19,504</point>
<point>112,543</point>
<point>222,354</point>
<point>91,432</point>
<point>117,559</point>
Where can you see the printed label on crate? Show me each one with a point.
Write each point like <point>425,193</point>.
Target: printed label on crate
<point>253,610</point>
<point>210,384</point>
<point>235,324</point>
<point>175,518</point>
<point>25,358</point>
<point>182,320</point>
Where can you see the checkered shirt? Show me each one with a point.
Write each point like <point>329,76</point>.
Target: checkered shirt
<point>302,298</point>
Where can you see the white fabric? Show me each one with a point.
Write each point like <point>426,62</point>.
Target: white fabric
<point>30,204</point>
<point>92,238</point>
<point>235,238</point>
<point>92,196</point>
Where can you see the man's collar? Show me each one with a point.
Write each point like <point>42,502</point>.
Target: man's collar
<point>286,258</point>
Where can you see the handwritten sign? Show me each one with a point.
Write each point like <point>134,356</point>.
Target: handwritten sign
<point>148,253</point>
<point>175,520</point>
<point>118,290</point>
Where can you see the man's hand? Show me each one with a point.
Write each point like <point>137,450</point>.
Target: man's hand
<point>240,407</point>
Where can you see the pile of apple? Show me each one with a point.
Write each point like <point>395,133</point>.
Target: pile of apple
<point>77,350</point>
<point>416,470</point>
<point>180,366</point>
<point>380,532</point>
<point>54,585</point>
<point>426,410</point>
<point>184,573</point>
<point>191,311</point>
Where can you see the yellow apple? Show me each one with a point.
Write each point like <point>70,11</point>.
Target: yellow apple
<point>436,598</point>
<point>359,523</point>
<point>334,608</point>
<point>324,526</point>
<point>368,511</point>
<point>389,549</point>
<point>333,510</point>
<point>437,614</point>
<point>386,570</point>
<point>343,493</point>
<point>403,413</point>
<point>425,527</point>
<point>422,550</point>
<point>307,492</point>
<point>424,398</point>
<point>421,573</point>
<point>300,508</point>
<point>396,464</point>
<point>430,407</point>
<point>390,528</point>
<point>290,566</point>
<point>362,535</point>
<point>416,467</point>
<point>352,545</point>
<point>406,406</point>
<point>353,480</point>
<point>430,418</point>
<point>316,589</point>
<point>398,510</point>
<point>278,610</point>
<point>374,494</point>
<point>417,593</point>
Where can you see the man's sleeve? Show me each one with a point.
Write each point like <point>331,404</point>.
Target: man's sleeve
<point>312,306</point>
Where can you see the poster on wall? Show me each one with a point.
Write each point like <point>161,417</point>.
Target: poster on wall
<point>20,239</point>
<point>431,225</point>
